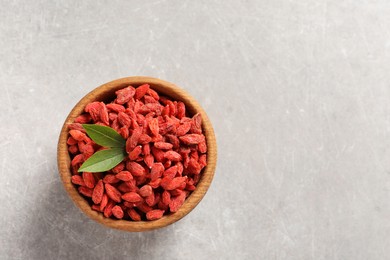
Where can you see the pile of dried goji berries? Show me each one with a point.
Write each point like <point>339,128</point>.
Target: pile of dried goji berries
<point>166,154</point>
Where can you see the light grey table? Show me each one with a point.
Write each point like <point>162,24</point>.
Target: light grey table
<point>299,95</point>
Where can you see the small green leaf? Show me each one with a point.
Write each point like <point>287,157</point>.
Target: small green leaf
<point>103,160</point>
<point>104,135</point>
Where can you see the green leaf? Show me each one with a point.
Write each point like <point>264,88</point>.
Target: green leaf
<point>104,135</point>
<point>103,160</point>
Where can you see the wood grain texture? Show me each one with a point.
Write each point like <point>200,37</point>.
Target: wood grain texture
<point>106,92</point>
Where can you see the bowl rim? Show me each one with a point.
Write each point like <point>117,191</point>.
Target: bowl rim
<point>162,87</point>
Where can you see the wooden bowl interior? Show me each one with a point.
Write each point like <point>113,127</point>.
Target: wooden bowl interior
<point>106,93</point>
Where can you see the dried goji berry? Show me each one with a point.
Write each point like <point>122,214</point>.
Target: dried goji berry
<point>135,168</point>
<point>171,172</point>
<point>181,110</point>
<point>172,155</point>
<point>149,160</point>
<point>177,201</point>
<point>124,95</point>
<point>104,202</point>
<point>163,145</point>
<point>156,171</point>
<point>98,191</point>
<point>118,168</point>
<point>113,193</point>
<point>71,141</point>
<point>124,176</point>
<point>192,139</point>
<point>115,107</point>
<point>153,126</point>
<point>145,191</point>
<point>166,197</point>
<point>155,183</point>
<point>141,91</point>
<point>183,129</point>
<point>196,127</point>
<point>117,212</point>
<point>111,179</point>
<point>133,214</point>
<point>108,209</point>
<point>83,119</point>
<point>176,183</point>
<point>85,191</point>
<point>144,139</point>
<point>154,214</point>
<point>132,141</point>
<point>150,200</point>
<point>89,179</point>
<point>132,197</point>
<point>78,180</point>
<point>103,114</point>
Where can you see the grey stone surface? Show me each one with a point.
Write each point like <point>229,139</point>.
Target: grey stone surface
<point>298,92</point>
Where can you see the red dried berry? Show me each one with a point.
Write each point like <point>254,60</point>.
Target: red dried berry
<point>113,193</point>
<point>115,107</point>
<point>153,94</point>
<point>132,197</point>
<point>118,168</point>
<point>94,110</point>
<point>97,194</point>
<point>155,183</point>
<point>202,147</point>
<point>144,207</point>
<point>172,155</point>
<point>89,179</point>
<point>154,214</point>
<point>153,126</point>
<point>104,202</point>
<point>166,197</point>
<point>108,209</point>
<point>171,172</point>
<point>196,127</point>
<point>158,154</point>
<point>83,119</point>
<point>117,212</point>
<point>124,119</point>
<point>163,145</point>
<point>156,171</point>
<point>149,160</point>
<point>131,142</point>
<point>192,139</point>
<point>177,202</point>
<point>78,135</point>
<point>71,141</point>
<point>103,114</point>
<point>133,214</point>
<point>111,179</point>
<point>150,200</point>
<point>135,168</point>
<point>78,180</point>
<point>124,95</point>
<point>144,139</point>
<point>145,191</point>
<point>124,176</point>
<point>141,91</point>
<point>176,183</point>
<point>133,155</point>
<point>181,110</point>
<point>183,129</point>
<point>85,191</point>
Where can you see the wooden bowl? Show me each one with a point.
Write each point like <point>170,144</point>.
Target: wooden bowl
<point>106,93</point>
